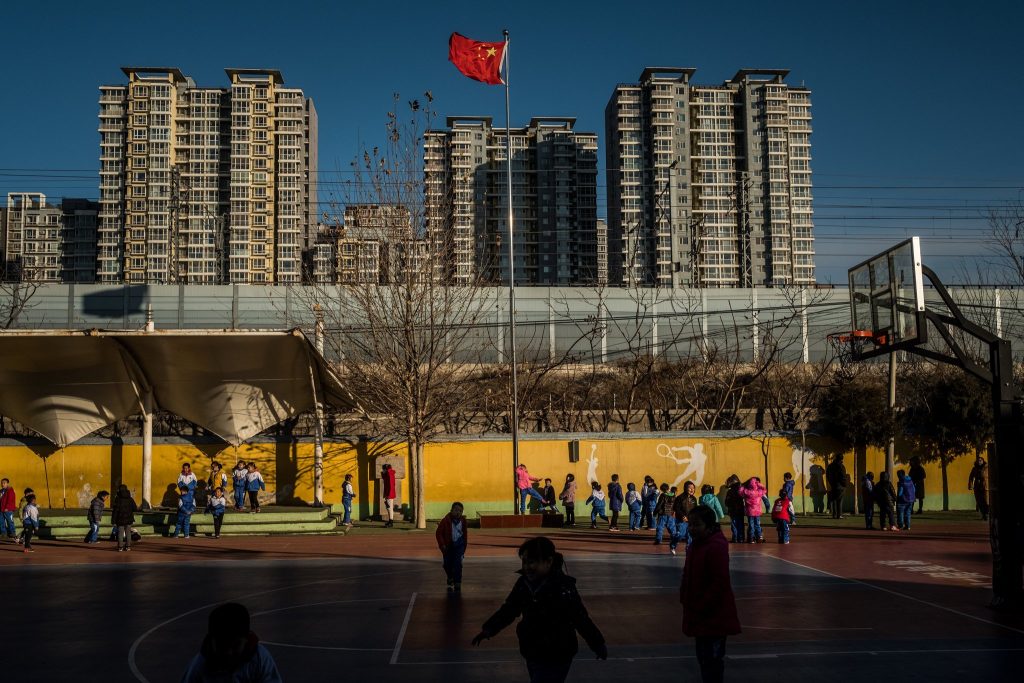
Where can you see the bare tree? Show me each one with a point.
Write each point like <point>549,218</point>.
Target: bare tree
<point>406,340</point>
<point>16,298</point>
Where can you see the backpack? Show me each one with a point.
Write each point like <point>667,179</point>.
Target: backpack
<point>909,491</point>
<point>780,510</point>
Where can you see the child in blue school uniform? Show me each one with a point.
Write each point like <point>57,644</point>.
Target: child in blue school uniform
<point>596,501</point>
<point>238,481</point>
<point>634,504</point>
<point>186,506</point>
<point>216,506</point>
<point>254,484</point>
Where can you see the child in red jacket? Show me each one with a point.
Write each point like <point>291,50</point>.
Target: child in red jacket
<point>452,538</point>
<point>783,514</point>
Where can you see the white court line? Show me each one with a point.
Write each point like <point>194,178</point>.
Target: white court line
<point>809,628</point>
<point>401,634</point>
<point>328,647</point>
<point>902,595</point>
<point>138,641</point>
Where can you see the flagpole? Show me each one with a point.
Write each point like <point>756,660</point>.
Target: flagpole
<point>511,281</point>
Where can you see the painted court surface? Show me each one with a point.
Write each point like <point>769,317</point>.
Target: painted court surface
<point>837,603</point>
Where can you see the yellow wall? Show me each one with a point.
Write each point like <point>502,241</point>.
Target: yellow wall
<point>477,473</point>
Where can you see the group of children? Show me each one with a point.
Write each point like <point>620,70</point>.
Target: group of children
<point>664,509</point>
<point>886,498</point>
<point>27,511</point>
<point>246,479</point>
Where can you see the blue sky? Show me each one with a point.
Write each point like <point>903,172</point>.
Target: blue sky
<point>918,106</point>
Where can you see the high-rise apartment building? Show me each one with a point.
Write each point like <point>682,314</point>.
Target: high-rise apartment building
<point>554,200</point>
<point>48,243</point>
<point>710,186</point>
<point>205,185</point>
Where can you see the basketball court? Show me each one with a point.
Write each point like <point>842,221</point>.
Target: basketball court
<point>375,606</point>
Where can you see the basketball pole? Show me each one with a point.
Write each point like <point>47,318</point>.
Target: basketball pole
<point>890,454</point>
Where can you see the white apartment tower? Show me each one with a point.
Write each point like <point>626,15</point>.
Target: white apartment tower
<point>710,186</point>
<point>205,185</point>
<point>554,200</point>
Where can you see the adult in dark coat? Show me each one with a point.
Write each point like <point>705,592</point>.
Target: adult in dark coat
<point>917,475</point>
<point>709,606</point>
<point>835,475</point>
<point>816,484</point>
<point>979,483</point>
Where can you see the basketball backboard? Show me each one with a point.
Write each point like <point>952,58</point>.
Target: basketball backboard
<point>887,298</point>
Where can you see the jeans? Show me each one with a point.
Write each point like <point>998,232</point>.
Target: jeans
<point>736,523</point>
<point>711,658</point>
<point>682,533</point>
<point>596,512</point>
<point>869,514</point>
<point>634,519</point>
<point>531,492</point>
<point>452,560</point>
<point>754,526</point>
<point>94,532</point>
<point>665,522</point>
<point>548,672</point>
<point>903,513</point>
<point>783,528</point>
<point>125,533</point>
<point>7,524</point>
<point>183,524</point>
<point>647,514</point>
<point>346,502</point>
<point>239,498</point>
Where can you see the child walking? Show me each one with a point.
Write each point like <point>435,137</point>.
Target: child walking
<point>95,516</point>
<point>649,499</point>
<point>216,506</point>
<point>186,506</point>
<point>867,492</point>
<point>782,515</point>
<point>596,502</point>
<point>29,521</point>
<point>552,612</point>
<point>238,481</point>
<point>347,494</point>
<point>452,538</point>
<point>615,500</point>
<point>634,503</point>
<point>122,516</point>
<point>709,499</point>
<point>663,513</point>
<point>21,506</point>
<point>568,498</point>
<point>753,492</point>
<point>885,496</point>
<point>254,484</point>
<point>906,493</point>
<point>736,508</point>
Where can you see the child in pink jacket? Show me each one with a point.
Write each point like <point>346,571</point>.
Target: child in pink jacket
<point>752,492</point>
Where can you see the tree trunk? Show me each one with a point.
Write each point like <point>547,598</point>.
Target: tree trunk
<point>943,464</point>
<point>418,505</point>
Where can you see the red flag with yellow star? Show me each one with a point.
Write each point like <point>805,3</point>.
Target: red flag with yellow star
<point>480,61</point>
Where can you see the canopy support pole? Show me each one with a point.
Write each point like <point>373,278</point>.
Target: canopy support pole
<point>147,450</point>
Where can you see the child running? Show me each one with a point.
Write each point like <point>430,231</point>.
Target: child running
<point>568,498</point>
<point>634,503</point>
<point>596,502</point>
<point>663,513</point>
<point>552,612</point>
<point>782,515</point>
<point>452,538</point>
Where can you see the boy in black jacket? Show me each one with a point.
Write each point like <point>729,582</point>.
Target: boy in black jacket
<point>552,613</point>
<point>95,516</point>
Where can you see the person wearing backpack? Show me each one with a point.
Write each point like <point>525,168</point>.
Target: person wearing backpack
<point>783,514</point>
<point>906,494</point>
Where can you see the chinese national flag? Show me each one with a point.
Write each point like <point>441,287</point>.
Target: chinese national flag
<point>479,61</point>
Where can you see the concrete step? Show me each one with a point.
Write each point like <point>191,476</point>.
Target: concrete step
<point>72,524</point>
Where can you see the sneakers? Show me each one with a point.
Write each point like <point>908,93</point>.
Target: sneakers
<point>29,550</point>
<point>451,586</point>
<point>761,540</point>
<point>121,550</point>
<point>785,543</point>
<point>593,526</point>
<point>672,550</point>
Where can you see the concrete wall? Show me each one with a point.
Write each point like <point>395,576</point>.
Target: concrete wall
<point>477,472</point>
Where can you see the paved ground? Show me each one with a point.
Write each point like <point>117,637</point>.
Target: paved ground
<point>372,605</point>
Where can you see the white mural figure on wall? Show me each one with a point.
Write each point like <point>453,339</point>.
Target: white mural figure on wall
<point>798,458</point>
<point>694,464</point>
<point>592,464</point>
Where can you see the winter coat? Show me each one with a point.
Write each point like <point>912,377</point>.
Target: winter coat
<point>734,504</point>
<point>649,495</point>
<point>634,501</point>
<point>597,499</point>
<point>782,510</point>
<point>214,480</point>
<point>30,515</point>
<point>238,477</point>
<point>615,496</point>
<point>254,482</point>
<point>709,606</point>
<point>123,509</point>
<point>867,489</point>
<point>976,480</point>
<point>95,514</point>
<point>390,487</point>
<point>253,664</point>
<point>711,500</point>
<point>752,495</point>
<point>8,500</point>
<point>835,475</point>
<point>568,494</point>
<point>788,487</point>
<point>664,506</point>
<point>186,503</point>
<point>918,475</point>
<point>548,494</point>
<point>884,494</point>
<point>905,487</point>
<point>523,479</point>
<point>682,505</point>
<point>188,480</point>
<point>552,613</point>
<point>443,535</point>
<point>215,506</point>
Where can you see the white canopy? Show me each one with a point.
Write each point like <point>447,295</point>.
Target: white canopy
<point>66,384</point>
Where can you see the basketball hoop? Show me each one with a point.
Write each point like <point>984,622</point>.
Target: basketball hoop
<point>850,345</point>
